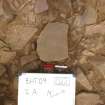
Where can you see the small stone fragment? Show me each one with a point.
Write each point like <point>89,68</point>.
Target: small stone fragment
<point>52,42</point>
<point>9,102</point>
<point>99,63</point>
<point>19,35</point>
<point>101,10</point>
<point>96,29</point>
<point>4,81</point>
<point>81,78</point>
<point>2,70</point>
<point>31,66</point>
<point>28,58</point>
<point>41,6</point>
<point>63,6</point>
<point>88,99</point>
<point>6,56</point>
<point>88,17</point>
<point>15,84</point>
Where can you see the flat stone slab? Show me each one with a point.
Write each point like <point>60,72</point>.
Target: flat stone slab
<point>52,42</point>
<point>41,6</point>
<point>6,56</point>
<point>87,18</point>
<point>17,35</point>
<point>99,63</point>
<point>96,29</point>
<point>88,99</point>
<point>81,78</point>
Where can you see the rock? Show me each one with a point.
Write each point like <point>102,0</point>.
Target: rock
<point>99,63</point>
<point>12,7</point>
<point>101,10</point>
<point>82,80</point>
<point>96,29</point>
<point>6,56</point>
<point>2,70</point>
<point>63,6</point>
<point>88,17</point>
<point>19,35</point>
<point>88,99</point>
<point>52,42</point>
<point>15,84</point>
<point>31,66</point>
<point>94,38</point>
<point>41,6</point>
<point>4,81</point>
<point>9,102</point>
<point>2,44</point>
<point>28,58</point>
<point>3,90</point>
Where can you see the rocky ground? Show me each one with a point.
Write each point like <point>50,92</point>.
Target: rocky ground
<point>69,32</point>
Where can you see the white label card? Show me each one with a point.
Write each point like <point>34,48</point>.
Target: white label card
<point>46,89</point>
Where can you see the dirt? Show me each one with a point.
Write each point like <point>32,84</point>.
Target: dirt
<point>23,24</point>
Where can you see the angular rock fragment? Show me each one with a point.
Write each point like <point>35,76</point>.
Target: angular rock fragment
<point>63,6</point>
<point>19,35</point>
<point>2,70</point>
<point>15,84</point>
<point>82,79</point>
<point>101,10</point>
<point>31,66</point>
<point>28,58</point>
<point>88,17</point>
<point>4,81</point>
<point>9,102</point>
<point>41,6</point>
<point>52,42</point>
<point>88,99</point>
<point>96,29</point>
<point>99,63</point>
<point>6,56</point>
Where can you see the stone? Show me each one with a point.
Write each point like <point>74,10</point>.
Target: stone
<point>2,44</point>
<point>18,35</point>
<point>101,10</point>
<point>9,102</point>
<point>31,66</point>
<point>88,17</point>
<point>2,70</point>
<point>99,63</point>
<point>15,83</point>
<point>95,37</point>
<point>41,6</point>
<point>88,99</point>
<point>4,81</point>
<point>52,42</point>
<point>96,29</point>
<point>63,6</point>
<point>6,56</point>
<point>82,80</point>
<point>28,58</point>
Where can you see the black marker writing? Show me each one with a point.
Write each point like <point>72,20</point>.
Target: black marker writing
<point>53,93</point>
<point>62,82</point>
<point>36,81</point>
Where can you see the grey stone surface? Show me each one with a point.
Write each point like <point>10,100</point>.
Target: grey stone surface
<point>6,56</point>
<point>2,70</point>
<point>41,6</point>
<point>88,99</point>
<point>19,35</point>
<point>81,79</point>
<point>52,42</point>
